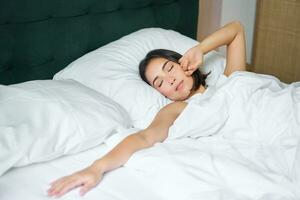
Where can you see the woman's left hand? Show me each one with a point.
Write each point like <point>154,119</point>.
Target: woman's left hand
<point>86,179</point>
<point>191,60</point>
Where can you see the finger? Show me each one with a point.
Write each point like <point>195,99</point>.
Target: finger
<point>68,186</point>
<point>180,60</point>
<point>54,190</point>
<point>60,185</point>
<point>184,64</point>
<point>198,64</point>
<point>57,180</point>
<point>189,72</point>
<point>84,189</point>
<point>55,186</point>
<point>193,66</point>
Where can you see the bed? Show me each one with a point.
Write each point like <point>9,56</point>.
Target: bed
<point>70,91</point>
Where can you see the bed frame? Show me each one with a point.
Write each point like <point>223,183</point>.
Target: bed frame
<point>40,37</point>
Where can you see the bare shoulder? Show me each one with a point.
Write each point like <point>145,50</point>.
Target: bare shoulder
<point>157,131</point>
<point>174,107</point>
<point>170,112</point>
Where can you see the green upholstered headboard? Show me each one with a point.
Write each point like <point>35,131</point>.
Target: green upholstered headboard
<point>40,37</point>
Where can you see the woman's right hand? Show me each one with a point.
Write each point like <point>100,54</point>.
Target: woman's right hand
<point>86,179</point>
<point>191,60</point>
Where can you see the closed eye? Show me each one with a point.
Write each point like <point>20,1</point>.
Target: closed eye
<point>170,68</point>
<point>160,83</point>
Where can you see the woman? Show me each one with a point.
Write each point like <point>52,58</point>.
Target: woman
<point>177,81</point>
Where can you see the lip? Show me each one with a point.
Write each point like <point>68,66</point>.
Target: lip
<point>179,86</point>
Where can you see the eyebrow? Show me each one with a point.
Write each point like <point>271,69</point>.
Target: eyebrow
<point>163,67</point>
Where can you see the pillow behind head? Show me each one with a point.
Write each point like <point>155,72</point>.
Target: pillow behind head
<point>113,70</point>
<point>42,120</point>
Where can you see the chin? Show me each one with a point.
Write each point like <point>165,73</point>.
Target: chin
<point>180,98</point>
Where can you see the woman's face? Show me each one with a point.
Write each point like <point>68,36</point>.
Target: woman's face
<point>169,79</point>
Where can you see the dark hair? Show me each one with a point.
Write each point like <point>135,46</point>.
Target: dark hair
<point>198,77</point>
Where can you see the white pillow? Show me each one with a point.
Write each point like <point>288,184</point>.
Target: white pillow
<point>113,70</point>
<point>42,120</point>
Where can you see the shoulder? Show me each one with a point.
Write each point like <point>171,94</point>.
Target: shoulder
<point>174,107</point>
<point>176,104</point>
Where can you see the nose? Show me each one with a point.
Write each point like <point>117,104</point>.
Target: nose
<point>171,79</point>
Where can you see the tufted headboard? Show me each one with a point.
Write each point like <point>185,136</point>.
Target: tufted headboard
<point>40,37</point>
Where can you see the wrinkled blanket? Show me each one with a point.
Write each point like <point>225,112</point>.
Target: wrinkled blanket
<point>245,106</point>
<point>238,140</point>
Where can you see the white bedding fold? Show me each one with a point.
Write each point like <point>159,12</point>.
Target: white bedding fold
<point>210,168</point>
<point>217,168</point>
<point>253,148</point>
<point>247,106</point>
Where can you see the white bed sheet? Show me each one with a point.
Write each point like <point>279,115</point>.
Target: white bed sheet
<point>207,168</point>
<point>31,182</point>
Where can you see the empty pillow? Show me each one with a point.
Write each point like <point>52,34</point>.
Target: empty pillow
<point>42,120</point>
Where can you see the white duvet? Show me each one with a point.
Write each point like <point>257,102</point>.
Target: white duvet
<point>247,147</point>
<point>254,152</point>
<point>245,106</point>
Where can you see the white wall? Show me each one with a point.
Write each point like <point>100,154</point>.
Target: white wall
<point>244,11</point>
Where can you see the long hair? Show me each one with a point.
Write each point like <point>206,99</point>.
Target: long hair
<point>198,77</point>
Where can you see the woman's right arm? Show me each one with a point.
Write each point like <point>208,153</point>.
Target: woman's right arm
<point>118,156</point>
<point>232,35</point>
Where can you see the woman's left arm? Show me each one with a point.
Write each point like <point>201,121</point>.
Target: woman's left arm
<point>92,175</point>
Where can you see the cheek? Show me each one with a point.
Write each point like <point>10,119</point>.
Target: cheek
<point>166,92</point>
